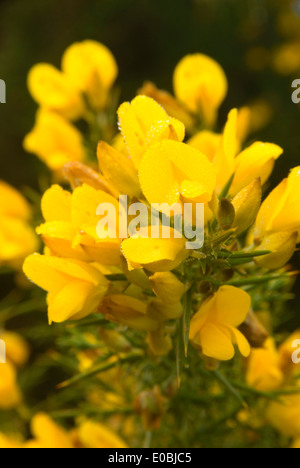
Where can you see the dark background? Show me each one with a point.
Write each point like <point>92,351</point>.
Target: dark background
<point>148,38</point>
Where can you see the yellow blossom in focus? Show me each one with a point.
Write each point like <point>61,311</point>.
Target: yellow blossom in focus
<point>118,169</point>
<point>54,91</point>
<point>263,371</point>
<point>144,122</point>
<point>70,230</point>
<point>201,84</point>
<point>91,67</point>
<point>256,161</point>
<point>171,169</point>
<point>156,255</point>
<point>214,327</point>
<point>75,289</point>
<point>54,140</point>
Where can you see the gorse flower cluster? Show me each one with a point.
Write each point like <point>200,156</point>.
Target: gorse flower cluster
<point>156,302</point>
<point>154,165</point>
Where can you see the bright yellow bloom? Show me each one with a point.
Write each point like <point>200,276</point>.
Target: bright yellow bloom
<point>118,170</point>
<point>200,83</point>
<point>17,238</point>
<point>95,435</point>
<point>47,434</point>
<point>92,69</point>
<point>171,169</point>
<point>10,395</point>
<point>53,90</point>
<point>75,289</point>
<point>170,104</point>
<point>54,140</point>
<point>263,372</point>
<point>156,255</point>
<point>144,122</point>
<point>71,224</point>
<point>280,212</point>
<point>214,327</point>
<point>256,161</point>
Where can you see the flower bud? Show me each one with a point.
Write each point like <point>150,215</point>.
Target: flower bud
<point>226,214</point>
<point>118,170</point>
<point>150,404</point>
<point>128,311</point>
<point>246,204</point>
<point>167,287</point>
<point>161,311</point>
<point>159,342</point>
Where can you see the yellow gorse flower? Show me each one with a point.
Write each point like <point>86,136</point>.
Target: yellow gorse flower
<point>280,211</point>
<point>263,371</point>
<point>200,83</point>
<point>144,122</point>
<point>75,289</point>
<point>54,91</point>
<point>54,140</point>
<point>92,69</point>
<point>17,238</point>
<point>214,327</point>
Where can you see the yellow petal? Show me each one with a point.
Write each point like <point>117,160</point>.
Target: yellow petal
<point>84,59</point>
<point>226,152</point>
<point>135,121</point>
<point>52,273</point>
<point>49,434</point>
<point>54,140</point>
<point>95,435</point>
<point>206,142</point>
<point>216,343</point>
<point>241,342</point>
<point>118,169</point>
<point>155,254</point>
<point>13,203</point>
<point>246,205</point>
<point>170,167</point>
<point>56,204</point>
<point>256,161</point>
<point>232,305</point>
<point>167,287</point>
<point>53,90</point>
<point>85,202</point>
<point>76,300</point>
<point>282,245</point>
<point>200,83</point>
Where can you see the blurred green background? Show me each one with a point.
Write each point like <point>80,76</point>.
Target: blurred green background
<point>148,38</point>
